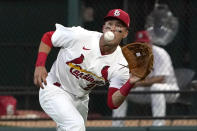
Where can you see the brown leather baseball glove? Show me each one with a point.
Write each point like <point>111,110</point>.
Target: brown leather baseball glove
<point>139,57</point>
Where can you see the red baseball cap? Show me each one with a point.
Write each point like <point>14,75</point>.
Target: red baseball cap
<point>119,14</point>
<point>142,36</point>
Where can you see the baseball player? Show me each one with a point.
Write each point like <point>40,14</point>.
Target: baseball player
<point>85,60</point>
<point>162,78</point>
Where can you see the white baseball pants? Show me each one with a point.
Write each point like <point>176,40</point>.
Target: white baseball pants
<point>68,111</point>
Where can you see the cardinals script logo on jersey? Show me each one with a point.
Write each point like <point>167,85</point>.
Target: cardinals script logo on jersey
<point>92,79</point>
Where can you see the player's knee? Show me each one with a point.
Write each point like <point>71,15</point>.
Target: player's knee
<point>61,128</point>
<point>79,124</point>
<point>72,127</point>
<point>76,125</point>
<point>79,127</point>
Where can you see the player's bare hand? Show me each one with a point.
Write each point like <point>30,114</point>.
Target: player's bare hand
<point>134,79</point>
<point>40,75</point>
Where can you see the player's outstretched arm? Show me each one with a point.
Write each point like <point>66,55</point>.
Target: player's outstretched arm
<point>147,82</point>
<point>40,72</point>
<point>119,96</point>
<point>116,97</point>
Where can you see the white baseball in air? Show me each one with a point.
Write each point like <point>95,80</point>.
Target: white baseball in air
<point>108,36</point>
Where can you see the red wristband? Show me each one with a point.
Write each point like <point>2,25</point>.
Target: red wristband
<point>41,59</point>
<point>125,89</point>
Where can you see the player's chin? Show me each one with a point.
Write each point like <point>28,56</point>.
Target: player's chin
<point>110,41</point>
<point>107,41</point>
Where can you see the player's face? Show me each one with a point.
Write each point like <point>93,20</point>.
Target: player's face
<point>118,28</point>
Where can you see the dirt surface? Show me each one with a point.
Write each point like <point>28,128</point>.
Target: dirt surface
<point>90,123</point>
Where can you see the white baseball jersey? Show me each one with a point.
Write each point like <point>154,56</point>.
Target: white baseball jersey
<point>163,66</point>
<point>80,66</point>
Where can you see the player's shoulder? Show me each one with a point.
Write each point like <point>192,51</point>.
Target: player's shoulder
<point>77,29</point>
<point>119,66</point>
<point>161,54</point>
<point>120,59</point>
<point>159,50</point>
<point>155,47</point>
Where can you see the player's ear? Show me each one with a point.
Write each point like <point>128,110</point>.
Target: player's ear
<point>125,34</point>
<point>103,28</point>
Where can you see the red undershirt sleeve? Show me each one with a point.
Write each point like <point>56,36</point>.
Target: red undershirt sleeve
<point>46,38</point>
<point>111,91</point>
<point>124,90</point>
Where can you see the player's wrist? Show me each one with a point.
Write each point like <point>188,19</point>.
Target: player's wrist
<point>125,89</point>
<point>41,59</point>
